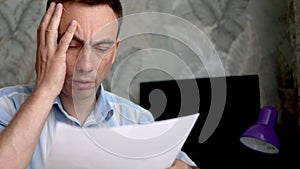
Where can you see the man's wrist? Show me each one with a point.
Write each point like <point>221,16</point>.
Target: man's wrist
<point>44,93</point>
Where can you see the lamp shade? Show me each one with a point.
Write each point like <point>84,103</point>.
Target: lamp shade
<point>261,136</point>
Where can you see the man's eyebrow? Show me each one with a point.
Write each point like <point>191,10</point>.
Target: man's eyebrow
<point>75,37</point>
<point>104,42</point>
<point>80,40</point>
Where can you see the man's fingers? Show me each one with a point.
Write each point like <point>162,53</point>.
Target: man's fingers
<point>66,39</point>
<point>52,28</point>
<point>44,24</point>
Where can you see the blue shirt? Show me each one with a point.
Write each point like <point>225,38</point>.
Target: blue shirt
<point>111,110</point>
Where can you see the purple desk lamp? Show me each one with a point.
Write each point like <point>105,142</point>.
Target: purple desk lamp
<point>261,136</point>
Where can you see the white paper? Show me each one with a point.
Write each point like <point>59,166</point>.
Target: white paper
<point>149,146</point>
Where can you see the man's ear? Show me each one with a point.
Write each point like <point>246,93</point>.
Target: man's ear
<point>117,45</point>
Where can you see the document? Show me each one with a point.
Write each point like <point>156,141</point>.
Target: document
<point>147,146</point>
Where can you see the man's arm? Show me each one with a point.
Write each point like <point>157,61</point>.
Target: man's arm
<point>19,139</point>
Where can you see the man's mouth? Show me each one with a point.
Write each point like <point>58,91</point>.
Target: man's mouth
<point>77,84</point>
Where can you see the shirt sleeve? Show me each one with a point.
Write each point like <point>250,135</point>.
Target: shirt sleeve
<point>185,158</point>
<point>2,124</point>
<point>7,112</point>
<point>1,128</point>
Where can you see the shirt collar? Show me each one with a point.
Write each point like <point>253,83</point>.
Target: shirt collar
<point>62,110</point>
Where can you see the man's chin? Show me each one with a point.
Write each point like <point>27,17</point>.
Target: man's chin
<point>83,92</point>
<point>76,92</point>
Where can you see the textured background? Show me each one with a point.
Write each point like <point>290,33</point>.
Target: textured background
<point>251,37</point>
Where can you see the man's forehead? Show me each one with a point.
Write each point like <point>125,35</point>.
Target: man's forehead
<point>102,13</point>
<point>94,22</point>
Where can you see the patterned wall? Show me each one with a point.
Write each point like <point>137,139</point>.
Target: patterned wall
<point>18,23</point>
<point>295,6</point>
<point>250,37</point>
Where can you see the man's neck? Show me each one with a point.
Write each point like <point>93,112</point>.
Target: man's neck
<point>78,108</point>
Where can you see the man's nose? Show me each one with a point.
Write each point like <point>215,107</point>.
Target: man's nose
<point>85,61</point>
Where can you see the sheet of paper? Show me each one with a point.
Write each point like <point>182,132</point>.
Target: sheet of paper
<point>149,146</point>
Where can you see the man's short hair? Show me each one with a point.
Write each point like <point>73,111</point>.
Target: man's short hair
<point>115,5</point>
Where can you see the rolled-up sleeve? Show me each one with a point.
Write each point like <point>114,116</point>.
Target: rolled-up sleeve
<point>2,126</point>
<point>5,114</point>
<point>7,110</point>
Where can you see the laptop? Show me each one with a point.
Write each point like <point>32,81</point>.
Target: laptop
<point>241,106</point>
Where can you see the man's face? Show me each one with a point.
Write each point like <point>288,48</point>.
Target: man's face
<point>93,48</point>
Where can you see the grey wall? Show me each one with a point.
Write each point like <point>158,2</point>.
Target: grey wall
<point>18,23</point>
<point>250,37</point>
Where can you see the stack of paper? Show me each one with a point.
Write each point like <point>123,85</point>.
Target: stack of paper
<point>149,146</point>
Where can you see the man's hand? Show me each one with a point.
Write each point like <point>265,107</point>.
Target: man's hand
<point>179,164</point>
<point>51,55</point>
<point>19,139</point>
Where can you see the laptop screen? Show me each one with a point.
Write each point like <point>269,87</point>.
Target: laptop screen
<point>167,99</point>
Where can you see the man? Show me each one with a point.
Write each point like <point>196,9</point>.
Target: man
<point>77,43</point>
